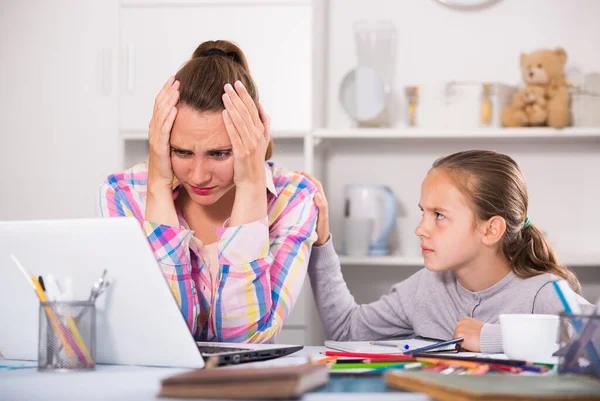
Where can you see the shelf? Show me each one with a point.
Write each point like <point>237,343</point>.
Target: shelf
<point>416,261</point>
<point>190,3</point>
<point>476,133</point>
<point>143,135</point>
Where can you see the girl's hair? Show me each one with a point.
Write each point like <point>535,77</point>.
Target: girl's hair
<point>203,77</point>
<point>495,186</point>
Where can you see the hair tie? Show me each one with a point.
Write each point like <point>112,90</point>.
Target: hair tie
<point>214,50</point>
<point>527,223</point>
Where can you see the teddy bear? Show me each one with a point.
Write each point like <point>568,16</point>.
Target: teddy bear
<point>545,100</point>
<point>529,107</point>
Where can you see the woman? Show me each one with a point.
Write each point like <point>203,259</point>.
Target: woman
<point>231,232</point>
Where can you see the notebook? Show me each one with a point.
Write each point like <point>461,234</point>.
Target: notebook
<point>245,383</point>
<point>395,346</point>
<point>496,387</point>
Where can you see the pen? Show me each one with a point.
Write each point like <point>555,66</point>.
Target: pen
<point>386,344</point>
<point>435,346</point>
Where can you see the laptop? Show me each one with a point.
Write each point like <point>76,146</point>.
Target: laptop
<point>138,321</point>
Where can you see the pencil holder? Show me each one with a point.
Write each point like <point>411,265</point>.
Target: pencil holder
<point>579,344</point>
<point>67,336</point>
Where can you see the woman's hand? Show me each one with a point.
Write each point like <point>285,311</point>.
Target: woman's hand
<point>160,208</point>
<point>323,219</point>
<point>160,172</point>
<point>249,131</point>
<point>469,329</point>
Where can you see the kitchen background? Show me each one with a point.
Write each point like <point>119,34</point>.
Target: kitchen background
<point>79,79</point>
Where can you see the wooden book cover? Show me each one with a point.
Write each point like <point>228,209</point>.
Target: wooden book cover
<point>245,383</point>
<point>496,387</point>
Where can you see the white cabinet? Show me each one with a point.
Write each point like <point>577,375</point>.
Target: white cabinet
<point>58,106</point>
<point>276,39</point>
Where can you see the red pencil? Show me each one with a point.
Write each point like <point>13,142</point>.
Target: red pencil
<point>505,368</point>
<point>365,355</point>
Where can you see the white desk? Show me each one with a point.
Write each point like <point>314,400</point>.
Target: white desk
<point>132,383</point>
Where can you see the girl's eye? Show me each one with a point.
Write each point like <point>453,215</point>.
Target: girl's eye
<point>182,153</point>
<point>440,216</point>
<point>220,154</point>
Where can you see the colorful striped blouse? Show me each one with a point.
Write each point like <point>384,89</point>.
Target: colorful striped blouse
<point>262,264</point>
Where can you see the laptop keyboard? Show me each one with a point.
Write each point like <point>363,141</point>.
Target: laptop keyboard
<point>209,349</point>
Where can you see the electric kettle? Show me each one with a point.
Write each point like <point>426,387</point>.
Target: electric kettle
<point>378,203</point>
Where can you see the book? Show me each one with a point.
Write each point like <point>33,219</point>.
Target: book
<point>496,387</point>
<point>246,383</point>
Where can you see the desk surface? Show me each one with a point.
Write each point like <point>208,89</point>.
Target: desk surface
<point>137,383</point>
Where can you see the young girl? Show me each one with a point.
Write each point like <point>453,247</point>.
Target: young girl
<point>232,233</point>
<point>483,258</point>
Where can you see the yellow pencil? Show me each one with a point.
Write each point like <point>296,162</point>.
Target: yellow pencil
<point>50,313</point>
<point>79,339</point>
<point>42,297</point>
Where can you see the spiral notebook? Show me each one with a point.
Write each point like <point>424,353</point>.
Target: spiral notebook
<point>391,347</point>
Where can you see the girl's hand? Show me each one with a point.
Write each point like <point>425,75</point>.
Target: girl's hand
<point>160,173</point>
<point>323,219</point>
<point>249,132</point>
<point>469,329</point>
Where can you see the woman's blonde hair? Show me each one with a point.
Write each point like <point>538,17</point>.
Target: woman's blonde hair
<point>203,77</point>
<point>494,185</point>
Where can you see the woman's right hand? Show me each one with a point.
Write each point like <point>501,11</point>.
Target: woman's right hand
<point>323,219</point>
<point>160,172</point>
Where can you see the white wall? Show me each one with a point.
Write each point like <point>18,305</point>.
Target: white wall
<point>58,106</point>
<point>437,43</point>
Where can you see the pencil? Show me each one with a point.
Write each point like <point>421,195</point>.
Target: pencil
<point>327,359</point>
<point>364,355</point>
<point>366,365</point>
<point>53,320</point>
<point>42,297</point>
<point>462,364</point>
<point>506,368</point>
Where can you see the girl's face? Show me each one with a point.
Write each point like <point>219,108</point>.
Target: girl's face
<point>201,155</point>
<point>449,239</point>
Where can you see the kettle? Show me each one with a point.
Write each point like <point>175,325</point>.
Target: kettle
<point>378,203</point>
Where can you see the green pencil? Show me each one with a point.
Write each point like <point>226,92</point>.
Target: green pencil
<point>367,365</point>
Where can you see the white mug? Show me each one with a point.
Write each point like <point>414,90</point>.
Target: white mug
<point>529,337</point>
<point>358,233</point>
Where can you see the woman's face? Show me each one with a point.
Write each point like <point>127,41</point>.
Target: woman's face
<point>201,155</point>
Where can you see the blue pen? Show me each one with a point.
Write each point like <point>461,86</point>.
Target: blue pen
<point>436,346</point>
<point>561,296</point>
<point>593,354</point>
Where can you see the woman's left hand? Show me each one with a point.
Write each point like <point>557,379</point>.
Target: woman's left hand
<point>469,329</point>
<point>249,131</point>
